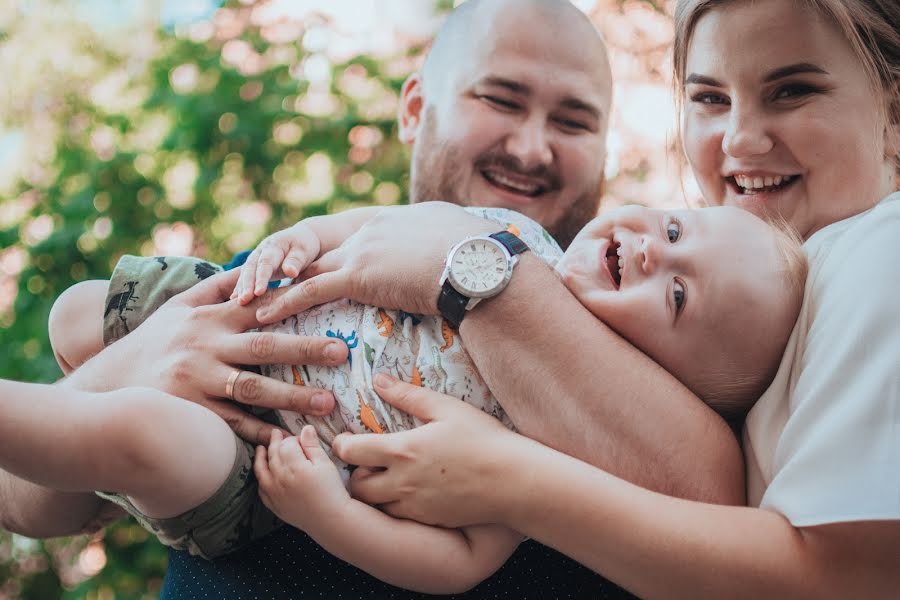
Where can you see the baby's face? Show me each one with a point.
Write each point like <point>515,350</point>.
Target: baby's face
<point>693,289</point>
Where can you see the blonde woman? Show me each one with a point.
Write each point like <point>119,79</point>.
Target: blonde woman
<point>789,109</point>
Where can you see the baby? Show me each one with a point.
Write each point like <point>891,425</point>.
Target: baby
<point>710,294</point>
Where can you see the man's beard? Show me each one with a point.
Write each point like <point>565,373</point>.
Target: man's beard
<point>436,175</point>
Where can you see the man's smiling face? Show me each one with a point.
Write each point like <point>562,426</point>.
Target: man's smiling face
<point>518,119</point>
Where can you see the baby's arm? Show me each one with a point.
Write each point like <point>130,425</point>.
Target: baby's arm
<point>301,485</point>
<point>291,250</point>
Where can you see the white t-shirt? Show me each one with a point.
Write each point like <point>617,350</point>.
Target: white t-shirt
<point>823,443</point>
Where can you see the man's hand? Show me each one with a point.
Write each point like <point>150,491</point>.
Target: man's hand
<point>442,473</point>
<point>195,341</point>
<point>393,261</point>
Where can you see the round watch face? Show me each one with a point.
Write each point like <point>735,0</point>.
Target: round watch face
<point>480,268</point>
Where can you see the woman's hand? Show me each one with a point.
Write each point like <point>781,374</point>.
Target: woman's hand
<point>394,261</point>
<point>194,345</point>
<point>447,472</point>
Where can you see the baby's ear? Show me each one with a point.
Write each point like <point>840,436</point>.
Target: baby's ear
<point>412,105</point>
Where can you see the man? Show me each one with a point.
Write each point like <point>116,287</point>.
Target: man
<point>507,112</point>
<point>510,109</point>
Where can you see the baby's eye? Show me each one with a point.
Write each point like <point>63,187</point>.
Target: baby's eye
<point>673,231</point>
<point>678,296</point>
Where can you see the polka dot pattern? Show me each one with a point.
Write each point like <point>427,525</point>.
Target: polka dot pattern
<point>289,564</point>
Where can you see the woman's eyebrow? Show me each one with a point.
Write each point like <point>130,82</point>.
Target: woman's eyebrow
<point>794,70</point>
<point>702,80</point>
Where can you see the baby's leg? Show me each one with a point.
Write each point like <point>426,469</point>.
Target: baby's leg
<point>166,454</point>
<point>76,324</point>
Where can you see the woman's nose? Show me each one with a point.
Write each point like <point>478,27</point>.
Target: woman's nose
<point>745,134</point>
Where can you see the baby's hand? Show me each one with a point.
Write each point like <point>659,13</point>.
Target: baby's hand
<point>286,252</point>
<point>298,482</point>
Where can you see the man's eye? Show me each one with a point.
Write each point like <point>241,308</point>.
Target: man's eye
<point>678,296</point>
<point>573,125</point>
<point>500,102</point>
<point>673,231</point>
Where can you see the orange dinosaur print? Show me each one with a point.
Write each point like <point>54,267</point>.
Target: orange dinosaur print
<point>367,417</point>
<point>416,377</point>
<point>298,380</point>
<point>447,334</point>
<point>385,324</point>
<point>514,230</point>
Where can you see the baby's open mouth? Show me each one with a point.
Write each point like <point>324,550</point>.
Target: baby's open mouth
<point>745,184</point>
<point>612,262</point>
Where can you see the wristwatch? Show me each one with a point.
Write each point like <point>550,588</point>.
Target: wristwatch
<point>478,267</point>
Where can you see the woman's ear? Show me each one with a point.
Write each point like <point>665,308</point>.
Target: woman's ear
<point>412,105</point>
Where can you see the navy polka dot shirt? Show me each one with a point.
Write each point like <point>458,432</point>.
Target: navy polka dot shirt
<point>289,564</point>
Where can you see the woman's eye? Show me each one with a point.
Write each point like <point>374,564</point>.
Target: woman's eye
<point>709,98</point>
<point>673,231</point>
<point>678,296</point>
<point>794,91</point>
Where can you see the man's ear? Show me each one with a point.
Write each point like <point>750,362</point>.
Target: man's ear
<point>412,107</point>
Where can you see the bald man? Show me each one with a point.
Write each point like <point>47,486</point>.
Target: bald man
<point>505,112</point>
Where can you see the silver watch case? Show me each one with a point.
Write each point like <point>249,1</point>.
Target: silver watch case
<point>476,296</point>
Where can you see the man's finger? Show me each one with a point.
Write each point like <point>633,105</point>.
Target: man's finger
<point>212,290</point>
<point>304,295</point>
<point>419,402</point>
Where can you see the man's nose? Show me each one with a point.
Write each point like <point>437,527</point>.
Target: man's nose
<point>530,144</point>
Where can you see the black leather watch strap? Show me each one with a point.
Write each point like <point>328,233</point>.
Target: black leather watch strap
<point>513,243</point>
<point>452,305</point>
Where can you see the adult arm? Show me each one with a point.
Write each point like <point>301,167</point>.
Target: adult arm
<point>654,545</point>
<point>564,378</point>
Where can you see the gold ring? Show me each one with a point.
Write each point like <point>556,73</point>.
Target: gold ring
<point>229,385</point>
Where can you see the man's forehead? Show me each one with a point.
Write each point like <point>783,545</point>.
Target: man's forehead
<point>540,67</point>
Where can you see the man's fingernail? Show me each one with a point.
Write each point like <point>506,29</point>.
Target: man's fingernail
<point>335,350</point>
<point>319,401</point>
<point>383,380</point>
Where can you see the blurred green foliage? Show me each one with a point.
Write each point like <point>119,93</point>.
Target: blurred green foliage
<point>229,139</point>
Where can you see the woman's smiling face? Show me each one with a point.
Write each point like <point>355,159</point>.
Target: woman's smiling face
<point>780,116</point>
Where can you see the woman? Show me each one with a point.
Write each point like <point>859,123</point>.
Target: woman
<point>788,109</point>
